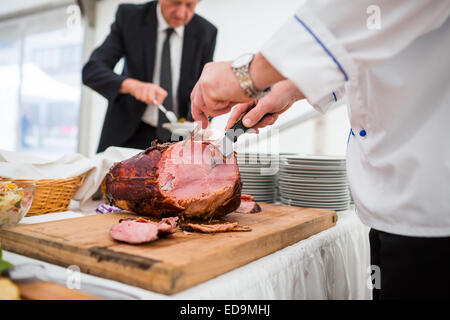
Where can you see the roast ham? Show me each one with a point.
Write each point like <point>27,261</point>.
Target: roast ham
<point>189,179</point>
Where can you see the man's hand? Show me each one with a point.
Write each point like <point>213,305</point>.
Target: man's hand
<point>264,112</point>
<point>143,91</point>
<point>218,88</point>
<point>215,92</point>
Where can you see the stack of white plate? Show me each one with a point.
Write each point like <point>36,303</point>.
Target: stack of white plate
<point>259,175</point>
<point>314,181</point>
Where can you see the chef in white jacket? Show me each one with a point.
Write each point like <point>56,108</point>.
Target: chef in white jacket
<point>391,59</point>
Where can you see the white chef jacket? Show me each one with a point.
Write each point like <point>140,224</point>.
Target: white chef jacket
<point>397,83</point>
<point>150,115</point>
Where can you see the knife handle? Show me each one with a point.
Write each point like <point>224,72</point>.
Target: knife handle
<point>238,128</point>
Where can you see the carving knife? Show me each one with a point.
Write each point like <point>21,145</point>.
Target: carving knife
<point>225,144</point>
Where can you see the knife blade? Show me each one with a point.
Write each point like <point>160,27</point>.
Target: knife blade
<point>231,135</point>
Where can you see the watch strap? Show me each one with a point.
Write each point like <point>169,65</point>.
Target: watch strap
<point>243,75</point>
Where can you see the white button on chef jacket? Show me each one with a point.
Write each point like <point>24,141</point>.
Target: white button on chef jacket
<point>391,59</point>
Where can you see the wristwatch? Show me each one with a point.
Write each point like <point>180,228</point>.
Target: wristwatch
<point>241,68</point>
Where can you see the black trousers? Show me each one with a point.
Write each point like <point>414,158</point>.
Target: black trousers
<point>410,267</point>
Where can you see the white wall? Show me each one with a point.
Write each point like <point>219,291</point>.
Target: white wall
<point>243,27</point>
<point>8,7</point>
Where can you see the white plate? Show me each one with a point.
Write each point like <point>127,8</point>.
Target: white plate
<point>312,168</point>
<point>315,192</point>
<point>258,186</point>
<point>257,162</point>
<point>182,126</point>
<point>258,156</point>
<point>260,159</point>
<point>324,187</point>
<point>302,169</point>
<point>259,191</point>
<point>268,200</point>
<point>316,166</point>
<point>310,202</point>
<point>258,178</point>
<point>313,158</point>
<point>260,172</point>
<point>318,180</point>
<point>314,173</point>
<point>338,163</point>
<point>274,168</point>
<point>313,176</point>
<point>313,204</point>
<point>318,199</point>
<point>300,176</point>
<point>315,183</point>
<point>313,189</point>
<point>334,206</point>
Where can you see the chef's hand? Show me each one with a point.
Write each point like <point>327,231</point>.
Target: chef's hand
<point>215,92</point>
<point>143,91</point>
<point>218,89</point>
<point>265,111</point>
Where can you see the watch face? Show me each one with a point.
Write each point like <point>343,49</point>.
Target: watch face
<point>243,60</point>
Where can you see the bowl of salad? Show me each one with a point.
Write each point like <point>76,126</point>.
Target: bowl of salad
<point>15,200</point>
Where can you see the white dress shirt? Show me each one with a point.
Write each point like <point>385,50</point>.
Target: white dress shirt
<point>150,115</point>
<point>397,82</point>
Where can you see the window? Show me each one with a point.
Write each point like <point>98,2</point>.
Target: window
<point>40,74</point>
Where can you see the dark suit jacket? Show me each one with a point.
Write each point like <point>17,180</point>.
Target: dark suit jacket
<point>133,36</point>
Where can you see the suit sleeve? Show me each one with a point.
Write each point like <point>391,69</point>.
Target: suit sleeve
<point>209,53</point>
<point>326,44</point>
<point>98,72</point>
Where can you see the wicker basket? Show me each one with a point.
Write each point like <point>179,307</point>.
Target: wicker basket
<point>53,195</point>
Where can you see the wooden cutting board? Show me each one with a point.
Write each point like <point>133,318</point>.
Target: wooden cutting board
<point>167,265</point>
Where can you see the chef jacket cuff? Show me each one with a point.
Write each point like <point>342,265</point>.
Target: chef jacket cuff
<point>306,52</point>
<point>329,100</point>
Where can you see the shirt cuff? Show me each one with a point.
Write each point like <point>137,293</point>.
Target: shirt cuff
<point>306,52</point>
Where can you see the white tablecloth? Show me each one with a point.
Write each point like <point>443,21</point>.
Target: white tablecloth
<point>332,264</point>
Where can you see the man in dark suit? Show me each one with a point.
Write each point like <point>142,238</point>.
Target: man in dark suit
<point>165,46</point>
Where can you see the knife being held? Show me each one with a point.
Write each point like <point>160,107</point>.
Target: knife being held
<point>231,136</point>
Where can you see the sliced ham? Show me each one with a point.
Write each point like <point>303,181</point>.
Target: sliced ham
<point>141,230</point>
<point>214,227</point>
<point>167,225</point>
<point>134,232</point>
<point>176,179</point>
<point>248,205</point>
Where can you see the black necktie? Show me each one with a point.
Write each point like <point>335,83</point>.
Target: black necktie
<point>165,78</point>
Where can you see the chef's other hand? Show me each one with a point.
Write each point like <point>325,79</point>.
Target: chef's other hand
<point>265,111</point>
<point>143,91</point>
